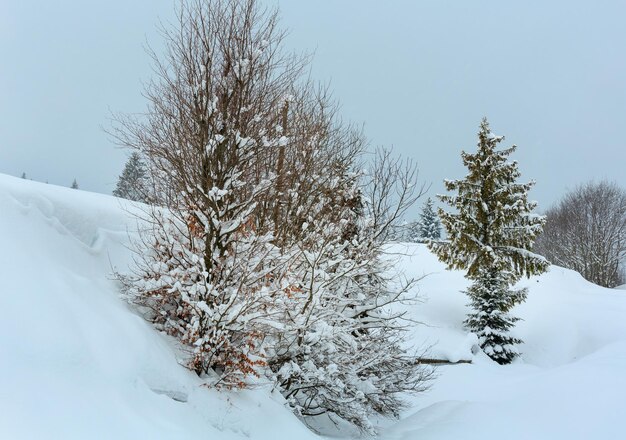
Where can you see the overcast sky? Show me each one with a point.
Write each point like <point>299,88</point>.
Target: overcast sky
<point>550,76</point>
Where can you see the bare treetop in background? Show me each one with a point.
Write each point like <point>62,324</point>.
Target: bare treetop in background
<point>586,232</point>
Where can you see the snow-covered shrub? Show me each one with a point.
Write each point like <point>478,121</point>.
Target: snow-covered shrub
<point>207,263</point>
<point>265,258</point>
<point>221,312</point>
<point>342,351</point>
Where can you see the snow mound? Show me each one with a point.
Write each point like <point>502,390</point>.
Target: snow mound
<point>75,362</point>
<point>565,317</point>
<point>569,383</point>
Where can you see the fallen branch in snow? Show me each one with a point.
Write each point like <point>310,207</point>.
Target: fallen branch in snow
<point>178,396</point>
<point>441,361</point>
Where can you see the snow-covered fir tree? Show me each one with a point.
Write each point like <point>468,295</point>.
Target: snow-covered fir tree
<point>491,231</point>
<point>74,184</point>
<point>131,184</point>
<point>429,223</point>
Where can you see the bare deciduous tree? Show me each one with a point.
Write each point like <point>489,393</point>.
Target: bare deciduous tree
<point>264,234</point>
<point>391,189</point>
<point>209,138</point>
<point>586,232</point>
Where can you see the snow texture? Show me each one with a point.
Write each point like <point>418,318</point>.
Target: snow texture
<point>77,363</point>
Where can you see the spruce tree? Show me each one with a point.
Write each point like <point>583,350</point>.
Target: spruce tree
<point>74,184</point>
<point>491,230</point>
<point>131,184</point>
<point>429,224</point>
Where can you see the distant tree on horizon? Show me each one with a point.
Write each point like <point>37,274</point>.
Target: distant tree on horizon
<point>74,184</point>
<point>586,232</point>
<point>429,224</point>
<point>413,232</point>
<point>131,184</point>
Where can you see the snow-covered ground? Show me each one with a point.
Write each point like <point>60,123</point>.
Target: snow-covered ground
<point>569,384</point>
<point>77,363</point>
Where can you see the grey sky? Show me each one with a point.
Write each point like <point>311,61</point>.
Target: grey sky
<point>550,76</point>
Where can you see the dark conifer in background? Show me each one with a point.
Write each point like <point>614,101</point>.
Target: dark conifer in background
<point>131,184</point>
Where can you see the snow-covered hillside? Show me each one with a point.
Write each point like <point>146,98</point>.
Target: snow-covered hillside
<point>77,363</point>
<point>569,384</point>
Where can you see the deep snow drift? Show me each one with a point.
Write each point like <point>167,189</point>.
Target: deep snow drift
<point>569,383</point>
<point>77,363</point>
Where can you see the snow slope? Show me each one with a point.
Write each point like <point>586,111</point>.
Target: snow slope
<point>569,383</point>
<point>76,363</point>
